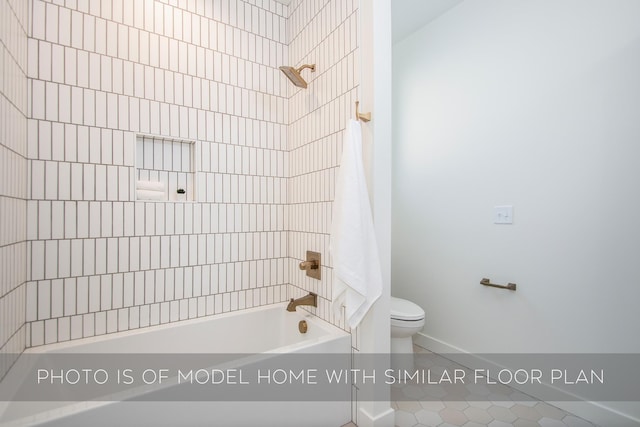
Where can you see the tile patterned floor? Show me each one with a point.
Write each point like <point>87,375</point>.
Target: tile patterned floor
<point>484,406</point>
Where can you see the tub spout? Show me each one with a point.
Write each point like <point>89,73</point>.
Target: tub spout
<point>311,299</point>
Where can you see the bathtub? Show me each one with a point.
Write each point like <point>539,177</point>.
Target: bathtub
<point>261,332</point>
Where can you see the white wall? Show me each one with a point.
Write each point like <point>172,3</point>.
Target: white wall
<point>375,97</point>
<point>535,104</point>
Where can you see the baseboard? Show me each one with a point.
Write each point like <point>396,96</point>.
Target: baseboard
<point>595,412</point>
<point>384,419</point>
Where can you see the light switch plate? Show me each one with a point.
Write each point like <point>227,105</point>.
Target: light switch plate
<point>503,214</point>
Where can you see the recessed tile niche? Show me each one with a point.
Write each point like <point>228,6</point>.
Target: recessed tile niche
<point>167,161</point>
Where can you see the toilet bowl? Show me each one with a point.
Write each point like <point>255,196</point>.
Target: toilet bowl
<point>407,318</point>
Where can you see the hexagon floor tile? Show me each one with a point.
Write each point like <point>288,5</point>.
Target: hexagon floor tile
<point>491,406</point>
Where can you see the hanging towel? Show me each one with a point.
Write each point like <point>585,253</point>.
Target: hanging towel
<point>357,280</point>
<point>149,195</point>
<point>150,185</point>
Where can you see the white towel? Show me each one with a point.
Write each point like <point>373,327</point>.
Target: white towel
<point>150,185</point>
<point>356,264</point>
<point>149,195</point>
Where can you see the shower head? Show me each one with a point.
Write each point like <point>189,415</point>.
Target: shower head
<point>294,74</point>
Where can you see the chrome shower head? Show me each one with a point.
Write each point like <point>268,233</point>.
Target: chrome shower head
<point>293,74</point>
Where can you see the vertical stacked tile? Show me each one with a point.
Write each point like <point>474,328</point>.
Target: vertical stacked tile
<point>13,178</point>
<point>324,33</point>
<point>99,75</point>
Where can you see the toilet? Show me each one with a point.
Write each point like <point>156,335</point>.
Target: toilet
<point>407,318</point>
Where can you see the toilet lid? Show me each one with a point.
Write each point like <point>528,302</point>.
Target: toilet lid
<point>401,309</point>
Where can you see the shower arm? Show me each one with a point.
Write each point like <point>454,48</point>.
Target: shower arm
<point>310,66</point>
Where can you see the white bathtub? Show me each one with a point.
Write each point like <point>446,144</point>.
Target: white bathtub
<point>263,330</point>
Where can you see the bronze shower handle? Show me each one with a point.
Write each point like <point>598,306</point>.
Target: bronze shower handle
<point>309,265</point>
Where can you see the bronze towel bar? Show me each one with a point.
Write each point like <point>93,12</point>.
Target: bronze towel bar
<point>487,282</point>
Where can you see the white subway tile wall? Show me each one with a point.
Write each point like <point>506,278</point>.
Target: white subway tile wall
<point>99,74</point>
<point>84,258</point>
<point>324,33</point>
<point>13,179</point>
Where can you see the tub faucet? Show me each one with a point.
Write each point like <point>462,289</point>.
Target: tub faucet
<point>311,299</point>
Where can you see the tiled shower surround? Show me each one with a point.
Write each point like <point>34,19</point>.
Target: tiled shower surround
<point>324,33</point>
<point>103,73</point>
<point>13,178</point>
